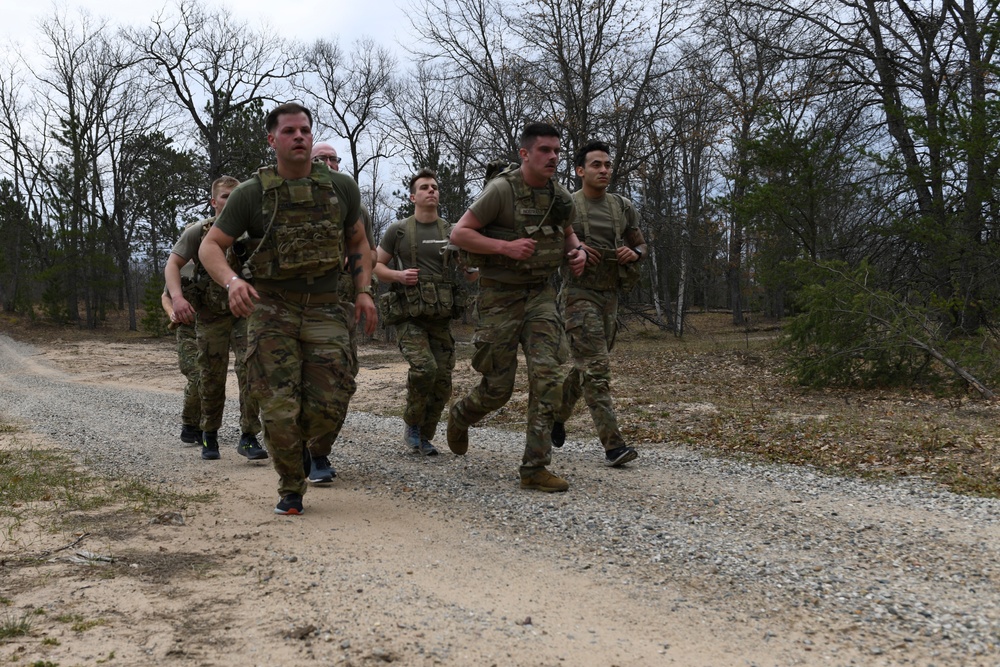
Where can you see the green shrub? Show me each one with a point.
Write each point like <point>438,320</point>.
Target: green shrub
<point>852,333</point>
<point>155,321</point>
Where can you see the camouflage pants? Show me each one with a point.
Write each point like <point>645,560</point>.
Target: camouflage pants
<point>301,372</point>
<point>427,345</point>
<point>509,317</point>
<point>591,325</point>
<point>323,445</point>
<point>216,336</point>
<point>187,358</point>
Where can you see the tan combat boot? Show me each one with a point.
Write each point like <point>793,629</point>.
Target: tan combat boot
<point>458,437</point>
<point>543,480</point>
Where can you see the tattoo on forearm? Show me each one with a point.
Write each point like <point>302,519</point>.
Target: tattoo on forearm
<point>353,264</point>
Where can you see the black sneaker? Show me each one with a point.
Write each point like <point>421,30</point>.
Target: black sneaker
<point>250,448</point>
<point>320,471</point>
<point>411,437</point>
<point>558,434</point>
<point>290,504</point>
<point>620,456</point>
<point>210,445</point>
<point>190,434</point>
<point>426,448</point>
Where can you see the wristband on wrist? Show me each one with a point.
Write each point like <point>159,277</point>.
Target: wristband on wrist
<point>230,281</point>
<point>637,252</point>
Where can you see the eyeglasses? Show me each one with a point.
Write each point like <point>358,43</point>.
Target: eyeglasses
<point>329,158</point>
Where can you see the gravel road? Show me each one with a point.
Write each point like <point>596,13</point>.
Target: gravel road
<point>695,560</point>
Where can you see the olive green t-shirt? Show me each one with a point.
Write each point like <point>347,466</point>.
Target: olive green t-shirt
<point>597,212</point>
<point>495,206</point>
<point>189,242</point>
<point>430,244</point>
<point>366,218</point>
<point>243,215</point>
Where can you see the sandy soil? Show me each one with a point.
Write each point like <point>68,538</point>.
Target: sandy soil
<point>363,578</point>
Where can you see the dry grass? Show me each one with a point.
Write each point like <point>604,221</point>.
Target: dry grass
<point>722,389</point>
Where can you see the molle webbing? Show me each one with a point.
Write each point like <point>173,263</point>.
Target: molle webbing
<point>608,274</point>
<point>537,215</point>
<point>304,235</point>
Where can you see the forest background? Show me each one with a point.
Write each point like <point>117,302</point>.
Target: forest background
<point>832,161</point>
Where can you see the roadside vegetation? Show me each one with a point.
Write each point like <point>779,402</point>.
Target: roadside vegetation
<point>731,391</point>
<point>46,497</point>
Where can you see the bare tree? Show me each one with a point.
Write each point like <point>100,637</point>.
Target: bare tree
<point>471,41</point>
<point>22,151</point>
<point>739,41</point>
<point>595,66</point>
<point>351,94</point>
<point>215,66</point>
<point>439,134</point>
<point>76,83</point>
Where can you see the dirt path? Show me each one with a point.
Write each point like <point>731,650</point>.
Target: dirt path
<point>445,562</point>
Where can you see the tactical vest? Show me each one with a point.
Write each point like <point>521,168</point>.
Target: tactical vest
<point>304,236</point>
<point>537,216</point>
<point>432,297</point>
<point>608,274</point>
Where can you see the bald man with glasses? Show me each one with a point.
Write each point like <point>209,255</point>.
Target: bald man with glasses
<point>328,154</point>
<point>321,471</point>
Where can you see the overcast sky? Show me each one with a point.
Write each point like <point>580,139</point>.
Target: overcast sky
<point>305,20</point>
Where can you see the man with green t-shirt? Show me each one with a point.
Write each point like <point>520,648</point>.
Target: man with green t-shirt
<point>422,295</point>
<point>187,360</point>
<point>301,219</point>
<point>217,332</point>
<point>608,226</point>
<point>519,232</point>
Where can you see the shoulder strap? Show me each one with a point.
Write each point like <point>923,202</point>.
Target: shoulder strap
<point>269,178</point>
<point>411,233</point>
<point>617,205</point>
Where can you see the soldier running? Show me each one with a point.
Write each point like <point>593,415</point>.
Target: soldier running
<point>519,232</point>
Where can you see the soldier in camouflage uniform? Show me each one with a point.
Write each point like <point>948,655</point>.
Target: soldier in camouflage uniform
<point>421,303</point>
<point>187,358</point>
<point>519,232</point>
<point>217,330</point>
<point>320,470</point>
<point>608,226</point>
<point>301,218</point>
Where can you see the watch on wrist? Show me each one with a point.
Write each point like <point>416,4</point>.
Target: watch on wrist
<point>637,252</point>
<point>367,289</point>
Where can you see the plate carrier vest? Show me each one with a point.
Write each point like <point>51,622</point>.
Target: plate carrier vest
<point>304,236</point>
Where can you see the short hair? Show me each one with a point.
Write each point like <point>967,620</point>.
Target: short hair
<point>426,172</point>
<point>532,131</point>
<point>271,120</point>
<point>581,155</point>
<point>223,182</point>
